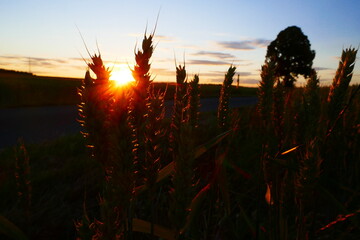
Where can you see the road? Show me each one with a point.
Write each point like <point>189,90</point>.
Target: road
<point>39,124</point>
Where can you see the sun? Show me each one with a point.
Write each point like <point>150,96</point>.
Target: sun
<point>121,75</point>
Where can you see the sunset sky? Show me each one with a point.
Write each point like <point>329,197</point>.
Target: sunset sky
<point>208,35</point>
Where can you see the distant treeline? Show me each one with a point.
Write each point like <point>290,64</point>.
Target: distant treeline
<point>14,72</point>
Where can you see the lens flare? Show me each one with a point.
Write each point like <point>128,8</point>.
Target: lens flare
<point>121,75</point>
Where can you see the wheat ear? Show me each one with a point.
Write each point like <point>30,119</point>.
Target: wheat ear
<point>223,112</point>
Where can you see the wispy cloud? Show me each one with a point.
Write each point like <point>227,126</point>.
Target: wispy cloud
<point>245,74</point>
<point>135,34</point>
<point>47,62</point>
<point>163,38</point>
<point>250,81</point>
<point>245,44</point>
<point>326,81</point>
<point>208,62</point>
<point>77,59</point>
<point>322,68</point>
<point>219,55</point>
<point>162,71</point>
<point>13,57</point>
<point>222,73</point>
<point>34,61</point>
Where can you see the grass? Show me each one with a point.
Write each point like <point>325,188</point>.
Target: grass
<point>61,174</point>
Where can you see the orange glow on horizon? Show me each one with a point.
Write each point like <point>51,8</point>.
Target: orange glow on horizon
<point>121,75</point>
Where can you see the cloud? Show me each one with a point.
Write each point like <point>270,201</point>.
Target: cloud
<point>245,45</point>
<point>208,62</point>
<point>219,55</point>
<point>78,67</point>
<point>4,64</point>
<point>244,74</point>
<point>47,62</point>
<point>322,68</point>
<point>222,73</point>
<point>213,74</point>
<point>248,63</point>
<point>77,59</point>
<point>13,57</point>
<point>163,38</point>
<point>162,72</point>
<point>250,81</point>
<point>9,60</point>
<point>135,34</point>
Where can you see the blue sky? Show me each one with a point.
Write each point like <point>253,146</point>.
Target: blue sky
<point>209,35</point>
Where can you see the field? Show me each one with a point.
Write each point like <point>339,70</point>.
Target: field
<point>287,168</point>
<point>25,90</point>
<point>20,90</point>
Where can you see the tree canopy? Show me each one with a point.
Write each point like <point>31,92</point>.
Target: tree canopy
<point>291,53</point>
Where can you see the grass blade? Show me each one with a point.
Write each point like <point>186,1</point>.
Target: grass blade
<point>10,229</point>
<point>200,150</point>
<point>206,146</point>
<point>143,226</point>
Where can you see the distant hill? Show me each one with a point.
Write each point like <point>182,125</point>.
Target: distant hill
<point>15,72</point>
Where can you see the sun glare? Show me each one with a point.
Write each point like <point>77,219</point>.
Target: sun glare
<point>121,74</point>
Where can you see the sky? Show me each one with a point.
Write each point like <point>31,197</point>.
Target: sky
<point>44,37</point>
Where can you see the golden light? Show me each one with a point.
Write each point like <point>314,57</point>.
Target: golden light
<point>121,74</point>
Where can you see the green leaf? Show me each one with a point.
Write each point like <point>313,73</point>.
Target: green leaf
<point>331,198</point>
<point>11,230</point>
<point>166,171</point>
<point>194,206</point>
<point>206,146</point>
<point>290,150</point>
<point>200,150</point>
<point>143,226</point>
<point>247,219</point>
<point>163,173</point>
<point>221,180</point>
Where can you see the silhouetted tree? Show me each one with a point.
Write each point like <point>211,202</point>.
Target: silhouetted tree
<point>291,53</point>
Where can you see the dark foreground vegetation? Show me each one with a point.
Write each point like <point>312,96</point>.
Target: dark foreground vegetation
<point>287,168</point>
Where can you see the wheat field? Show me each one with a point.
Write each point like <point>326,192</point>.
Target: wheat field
<point>287,168</point>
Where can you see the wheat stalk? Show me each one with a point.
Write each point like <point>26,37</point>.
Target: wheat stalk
<point>265,92</point>
<point>223,113</point>
<point>105,118</point>
<point>307,178</point>
<point>155,140</point>
<point>95,107</point>
<point>278,113</point>
<point>341,82</point>
<point>312,105</point>
<point>139,101</point>
<point>309,111</point>
<point>179,103</point>
<point>335,163</point>
<point>193,102</point>
<point>23,181</point>
<point>182,147</point>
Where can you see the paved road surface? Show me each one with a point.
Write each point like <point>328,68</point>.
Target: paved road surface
<point>38,124</point>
